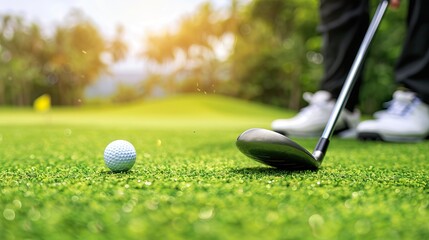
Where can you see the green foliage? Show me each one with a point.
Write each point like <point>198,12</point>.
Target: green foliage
<point>276,55</point>
<point>275,52</point>
<point>190,181</point>
<point>190,49</point>
<point>19,69</point>
<point>125,93</point>
<point>288,61</point>
<point>62,64</point>
<point>289,54</point>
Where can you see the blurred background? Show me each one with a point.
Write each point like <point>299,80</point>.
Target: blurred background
<point>100,52</point>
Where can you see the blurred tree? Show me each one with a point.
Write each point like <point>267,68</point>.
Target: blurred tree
<point>75,58</point>
<point>275,52</point>
<point>117,47</point>
<point>19,47</point>
<point>61,65</point>
<point>191,48</point>
<point>274,63</point>
<point>125,93</point>
<point>280,42</point>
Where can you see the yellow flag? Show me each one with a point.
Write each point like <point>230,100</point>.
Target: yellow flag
<point>42,103</point>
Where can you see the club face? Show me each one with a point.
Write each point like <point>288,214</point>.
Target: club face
<point>275,150</point>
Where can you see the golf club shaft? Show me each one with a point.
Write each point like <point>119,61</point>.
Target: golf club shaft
<point>323,143</point>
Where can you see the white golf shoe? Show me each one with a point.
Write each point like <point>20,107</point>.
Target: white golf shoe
<point>405,120</point>
<point>311,120</point>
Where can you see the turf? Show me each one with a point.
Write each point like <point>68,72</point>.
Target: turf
<point>190,182</point>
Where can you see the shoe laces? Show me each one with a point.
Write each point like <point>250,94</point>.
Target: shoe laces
<point>317,102</point>
<point>402,104</point>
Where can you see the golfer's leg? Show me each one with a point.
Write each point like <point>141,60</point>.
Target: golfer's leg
<point>343,25</point>
<point>407,118</point>
<point>412,69</point>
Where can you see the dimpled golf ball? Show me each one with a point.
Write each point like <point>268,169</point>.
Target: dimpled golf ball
<point>120,156</point>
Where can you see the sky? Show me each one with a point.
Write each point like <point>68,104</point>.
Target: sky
<point>139,17</point>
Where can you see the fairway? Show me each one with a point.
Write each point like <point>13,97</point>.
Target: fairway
<point>190,181</point>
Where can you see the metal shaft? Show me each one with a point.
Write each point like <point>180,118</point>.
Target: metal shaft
<point>320,150</point>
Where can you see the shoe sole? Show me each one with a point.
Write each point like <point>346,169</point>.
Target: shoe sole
<point>371,136</point>
<point>299,135</point>
<point>337,132</point>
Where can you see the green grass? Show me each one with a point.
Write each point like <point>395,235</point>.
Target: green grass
<point>190,182</point>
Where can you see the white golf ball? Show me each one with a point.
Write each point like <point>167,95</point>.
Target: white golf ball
<point>119,156</point>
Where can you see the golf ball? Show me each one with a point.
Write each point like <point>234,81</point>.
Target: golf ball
<point>119,156</point>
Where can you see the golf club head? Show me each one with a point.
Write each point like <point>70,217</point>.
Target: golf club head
<point>276,150</point>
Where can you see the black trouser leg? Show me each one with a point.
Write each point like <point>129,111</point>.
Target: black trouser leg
<point>412,69</point>
<point>343,25</point>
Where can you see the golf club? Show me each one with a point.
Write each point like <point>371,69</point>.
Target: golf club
<point>276,150</point>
